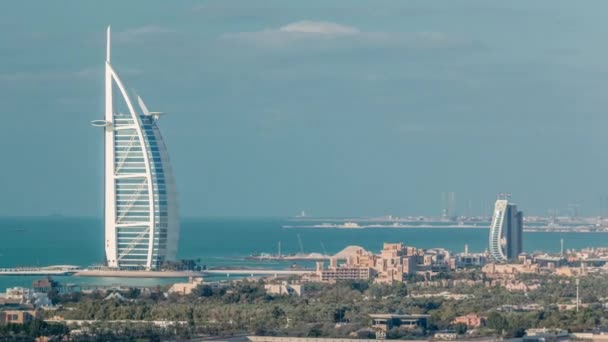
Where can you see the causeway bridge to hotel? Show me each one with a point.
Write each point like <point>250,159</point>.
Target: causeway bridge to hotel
<point>57,270</point>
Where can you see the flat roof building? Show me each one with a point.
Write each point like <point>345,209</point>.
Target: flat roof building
<point>18,316</point>
<point>386,322</point>
<point>471,320</point>
<point>186,288</point>
<point>337,272</point>
<point>284,288</point>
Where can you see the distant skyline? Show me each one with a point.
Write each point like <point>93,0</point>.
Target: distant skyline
<point>337,108</point>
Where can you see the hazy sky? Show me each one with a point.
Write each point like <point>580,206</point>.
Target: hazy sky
<point>333,107</point>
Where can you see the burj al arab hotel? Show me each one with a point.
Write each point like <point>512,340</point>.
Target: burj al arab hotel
<point>141,212</point>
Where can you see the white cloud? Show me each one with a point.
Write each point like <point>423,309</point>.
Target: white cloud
<point>308,31</point>
<point>297,31</point>
<point>137,33</point>
<point>319,27</point>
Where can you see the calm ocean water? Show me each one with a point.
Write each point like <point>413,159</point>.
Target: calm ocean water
<point>226,241</point>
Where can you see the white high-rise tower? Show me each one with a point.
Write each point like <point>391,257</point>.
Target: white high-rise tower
<point>505,242</point>
<point>141,212</point>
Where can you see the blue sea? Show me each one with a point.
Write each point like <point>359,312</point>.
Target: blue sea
<point>44,241</point>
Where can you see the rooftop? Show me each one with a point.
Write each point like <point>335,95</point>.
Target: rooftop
<point>387,316</point>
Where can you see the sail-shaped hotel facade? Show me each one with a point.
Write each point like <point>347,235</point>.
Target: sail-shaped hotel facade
<point>141,211</point>
<point>506,231</point>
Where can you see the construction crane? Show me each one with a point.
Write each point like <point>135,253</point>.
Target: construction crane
<point>301,245</point>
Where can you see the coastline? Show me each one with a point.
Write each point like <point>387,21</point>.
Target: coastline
<point>385,226</point>
<point>463,227</point>
<point>137,274</point>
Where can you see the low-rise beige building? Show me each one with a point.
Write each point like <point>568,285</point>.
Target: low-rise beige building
<point>393,263</point>
<point>18,316</point>
<point>343,272</point>
<point>493,269</point>
<point>284,289</point>
<point>186,288</point>
<point>471,320</point>
<point>567,271</point>
<point>521,286</point>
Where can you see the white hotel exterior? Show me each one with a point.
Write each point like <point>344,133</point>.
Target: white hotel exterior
<point>141,212</point>
<point>506,229</point>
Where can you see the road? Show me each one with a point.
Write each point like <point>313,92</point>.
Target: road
<point>254,272</point>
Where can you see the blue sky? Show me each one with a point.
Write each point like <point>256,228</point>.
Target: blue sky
<point>333,107</point>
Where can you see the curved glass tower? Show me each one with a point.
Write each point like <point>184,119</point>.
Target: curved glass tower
<point>141,213</point>
<point>506,229</point>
